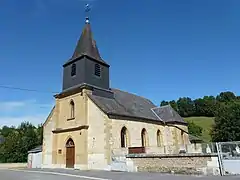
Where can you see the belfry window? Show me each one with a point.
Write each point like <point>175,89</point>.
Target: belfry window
<point>97,70</point>
<point>73,70</point>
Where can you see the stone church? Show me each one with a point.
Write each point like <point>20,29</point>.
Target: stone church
<point>90,120</point>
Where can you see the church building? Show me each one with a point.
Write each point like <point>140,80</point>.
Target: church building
<point>91,120</point>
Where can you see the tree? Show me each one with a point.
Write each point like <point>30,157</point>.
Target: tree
<point>209,106</point>
<point>6,130</point>
<point>205,106</point>
<point>227,122</point>
<point>164,103</point>
<point>226,96</point>
<point>194,129</point>
<point>9,151</point>
<point>186,107</point>
<point>174,105</point>
<point>18,141</point>
<point>28,141</point>
<point>199,107</point>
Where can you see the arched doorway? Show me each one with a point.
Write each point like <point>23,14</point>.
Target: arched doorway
<point>70,154</point>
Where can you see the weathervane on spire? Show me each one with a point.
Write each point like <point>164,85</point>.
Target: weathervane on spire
<point>87,10</point>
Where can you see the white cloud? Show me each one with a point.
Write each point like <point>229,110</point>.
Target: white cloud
<point>9,106</point>
<point>12,113</point>
<point>15,121</point>
<point>13,105</point>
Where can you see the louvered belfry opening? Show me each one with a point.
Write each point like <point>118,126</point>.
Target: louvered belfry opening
<point>97,70</point>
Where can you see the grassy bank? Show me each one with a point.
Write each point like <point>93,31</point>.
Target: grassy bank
<point>204,122</point>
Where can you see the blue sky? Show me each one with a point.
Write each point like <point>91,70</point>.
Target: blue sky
<point>160,49</point>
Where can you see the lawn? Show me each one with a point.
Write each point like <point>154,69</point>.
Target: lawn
<point>205,122</point>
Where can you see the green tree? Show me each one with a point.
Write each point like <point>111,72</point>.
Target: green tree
<point>227,122</point>
<point>9,149</point>
<point>199,107</point>
<point>29,140</point>
<point>194,129</point>
<point>186,107</point>
<point>164,103</point>
<point>226,96</point>
<point>5,130</point>
<point>18,141</point>
<point>174,105</point>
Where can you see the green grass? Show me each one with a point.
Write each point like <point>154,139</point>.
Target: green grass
<point>204,122</point>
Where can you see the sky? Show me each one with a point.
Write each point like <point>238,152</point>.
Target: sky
<point>159,49</point>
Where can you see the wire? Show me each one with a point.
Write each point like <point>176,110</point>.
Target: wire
<point>25,89</point>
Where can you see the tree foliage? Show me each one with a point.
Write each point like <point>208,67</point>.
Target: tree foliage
<point>225,107</point>
<point>205,106</point>
<point>227,122</point>
<point>18,141</point>
<point>186,106</point>
<point>194,129</point>
<point>226,97</point>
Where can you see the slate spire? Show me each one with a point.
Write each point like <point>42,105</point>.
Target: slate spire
<point>87,45</point>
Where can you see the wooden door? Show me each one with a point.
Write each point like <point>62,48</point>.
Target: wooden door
<point>70,154</point>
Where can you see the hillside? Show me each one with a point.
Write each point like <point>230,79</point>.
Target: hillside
<point>205,122</point>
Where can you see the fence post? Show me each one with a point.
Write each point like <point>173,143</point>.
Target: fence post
<point>219,153</point>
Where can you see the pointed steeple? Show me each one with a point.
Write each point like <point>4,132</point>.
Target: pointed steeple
<point>86,45</point>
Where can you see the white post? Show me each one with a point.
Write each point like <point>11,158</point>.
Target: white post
<point>219,153</point>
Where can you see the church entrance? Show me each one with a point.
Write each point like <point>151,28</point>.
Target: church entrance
<point>70,154</point>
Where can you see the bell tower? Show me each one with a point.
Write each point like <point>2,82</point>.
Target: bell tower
<point>86,67</point>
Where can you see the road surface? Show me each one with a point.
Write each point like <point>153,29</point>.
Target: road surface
<point>59,174</point>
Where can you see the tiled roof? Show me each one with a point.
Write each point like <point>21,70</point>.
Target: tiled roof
<point>168,114</point>
<point>131,105</point>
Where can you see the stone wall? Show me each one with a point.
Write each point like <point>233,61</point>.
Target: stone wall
<point>98,151</point>
<point>12,165</point>
<point>169,135</point>
<point>198,164</point>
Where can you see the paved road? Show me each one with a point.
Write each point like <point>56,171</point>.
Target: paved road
<point>56,174</point>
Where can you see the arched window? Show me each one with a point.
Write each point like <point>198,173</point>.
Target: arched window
<point>144,137</point>
<point>72,109</point>
<point>73,70</point>
<point>159,143</point>
<point>182,137</point>
<point>124,137</point>
<point>70,143</point>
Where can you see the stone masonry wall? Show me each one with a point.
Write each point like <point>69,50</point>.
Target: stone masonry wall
<point>179,164</point>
